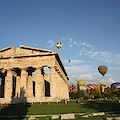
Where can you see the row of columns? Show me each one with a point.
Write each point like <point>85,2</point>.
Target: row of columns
<point>24,83</point>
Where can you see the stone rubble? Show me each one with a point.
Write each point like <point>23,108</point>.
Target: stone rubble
<point>98,114</point>
<point>55,116</point>
<point>115,118</point>
<point>67,116</point>
<point>32,118</point>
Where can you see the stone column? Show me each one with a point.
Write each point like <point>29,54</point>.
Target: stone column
<point>53,83</point>
<point>17,92</point>
<point>23,83</point>
<point>30,85</point>
<point>8,85</point>
<point>39,83</point>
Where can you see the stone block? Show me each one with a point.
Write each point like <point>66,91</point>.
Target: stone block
<point>67,116</point>
<point>32,118</point>
<point>109,118</point>
<point>98,114</point>
<point>117,118</point>
<point>85,116</point>
<point>55,116</point>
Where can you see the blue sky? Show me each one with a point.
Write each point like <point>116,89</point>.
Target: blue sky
<point>88,29</point>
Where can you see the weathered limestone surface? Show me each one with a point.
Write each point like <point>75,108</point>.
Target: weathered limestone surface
<point>98,114</point>
<point>24,78</point>
<point>114,118</point>
<point>30,86</point>
<point>23,83</point>
<point>17,86</point>
<point>32,118</point>
<point>8,85</point>
<point>39,83</point>
<point>67,116</point>
<point>55,117</point>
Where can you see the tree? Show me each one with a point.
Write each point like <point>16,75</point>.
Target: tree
<point>108,92</point>
<point>118,92</point>
<point>114,88</point>
<point>80,93</point>
<point>72,95</point>
<point>94,92</point>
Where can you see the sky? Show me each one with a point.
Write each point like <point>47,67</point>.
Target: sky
<point>88,29</point>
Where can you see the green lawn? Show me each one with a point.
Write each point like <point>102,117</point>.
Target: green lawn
<point>61,108</point>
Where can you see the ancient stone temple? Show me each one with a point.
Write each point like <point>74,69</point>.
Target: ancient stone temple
<point>23,77</point>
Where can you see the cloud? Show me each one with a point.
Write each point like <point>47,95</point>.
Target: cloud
<point>75,43</point>
<point>51,43</point>
<point>70,41</point>
<point>35,42</point>
<point>104,56</point>
<point>77,70</point>
<point>19,42</point>
<point>70,45</point>
<point>90,51</point>
<point>108,82</point>
<point>114,68</point>
<point>89,79</point>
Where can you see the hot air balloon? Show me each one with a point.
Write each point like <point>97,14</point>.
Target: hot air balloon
<point>69,60</point>
<point>101,87</point>
<point>59,45</point>
<point>90,86</point>
<point>102,69</point>
<point>72,88</point>
<point>81,85</point>
<point>117,84</point>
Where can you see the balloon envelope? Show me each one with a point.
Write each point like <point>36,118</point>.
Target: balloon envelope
<point>72,88</point>
<point>101,87</point>
<point>117,85</point>
<point>81,83</point>
<point>90,86</point>
<point>59,45</point>
<point>102,69</point>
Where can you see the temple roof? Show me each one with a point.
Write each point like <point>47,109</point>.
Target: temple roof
<point>36,49</point>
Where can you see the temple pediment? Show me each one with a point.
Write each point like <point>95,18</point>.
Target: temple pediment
<point>23,51</point>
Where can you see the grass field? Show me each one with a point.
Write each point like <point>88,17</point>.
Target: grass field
<point>86,107</point>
